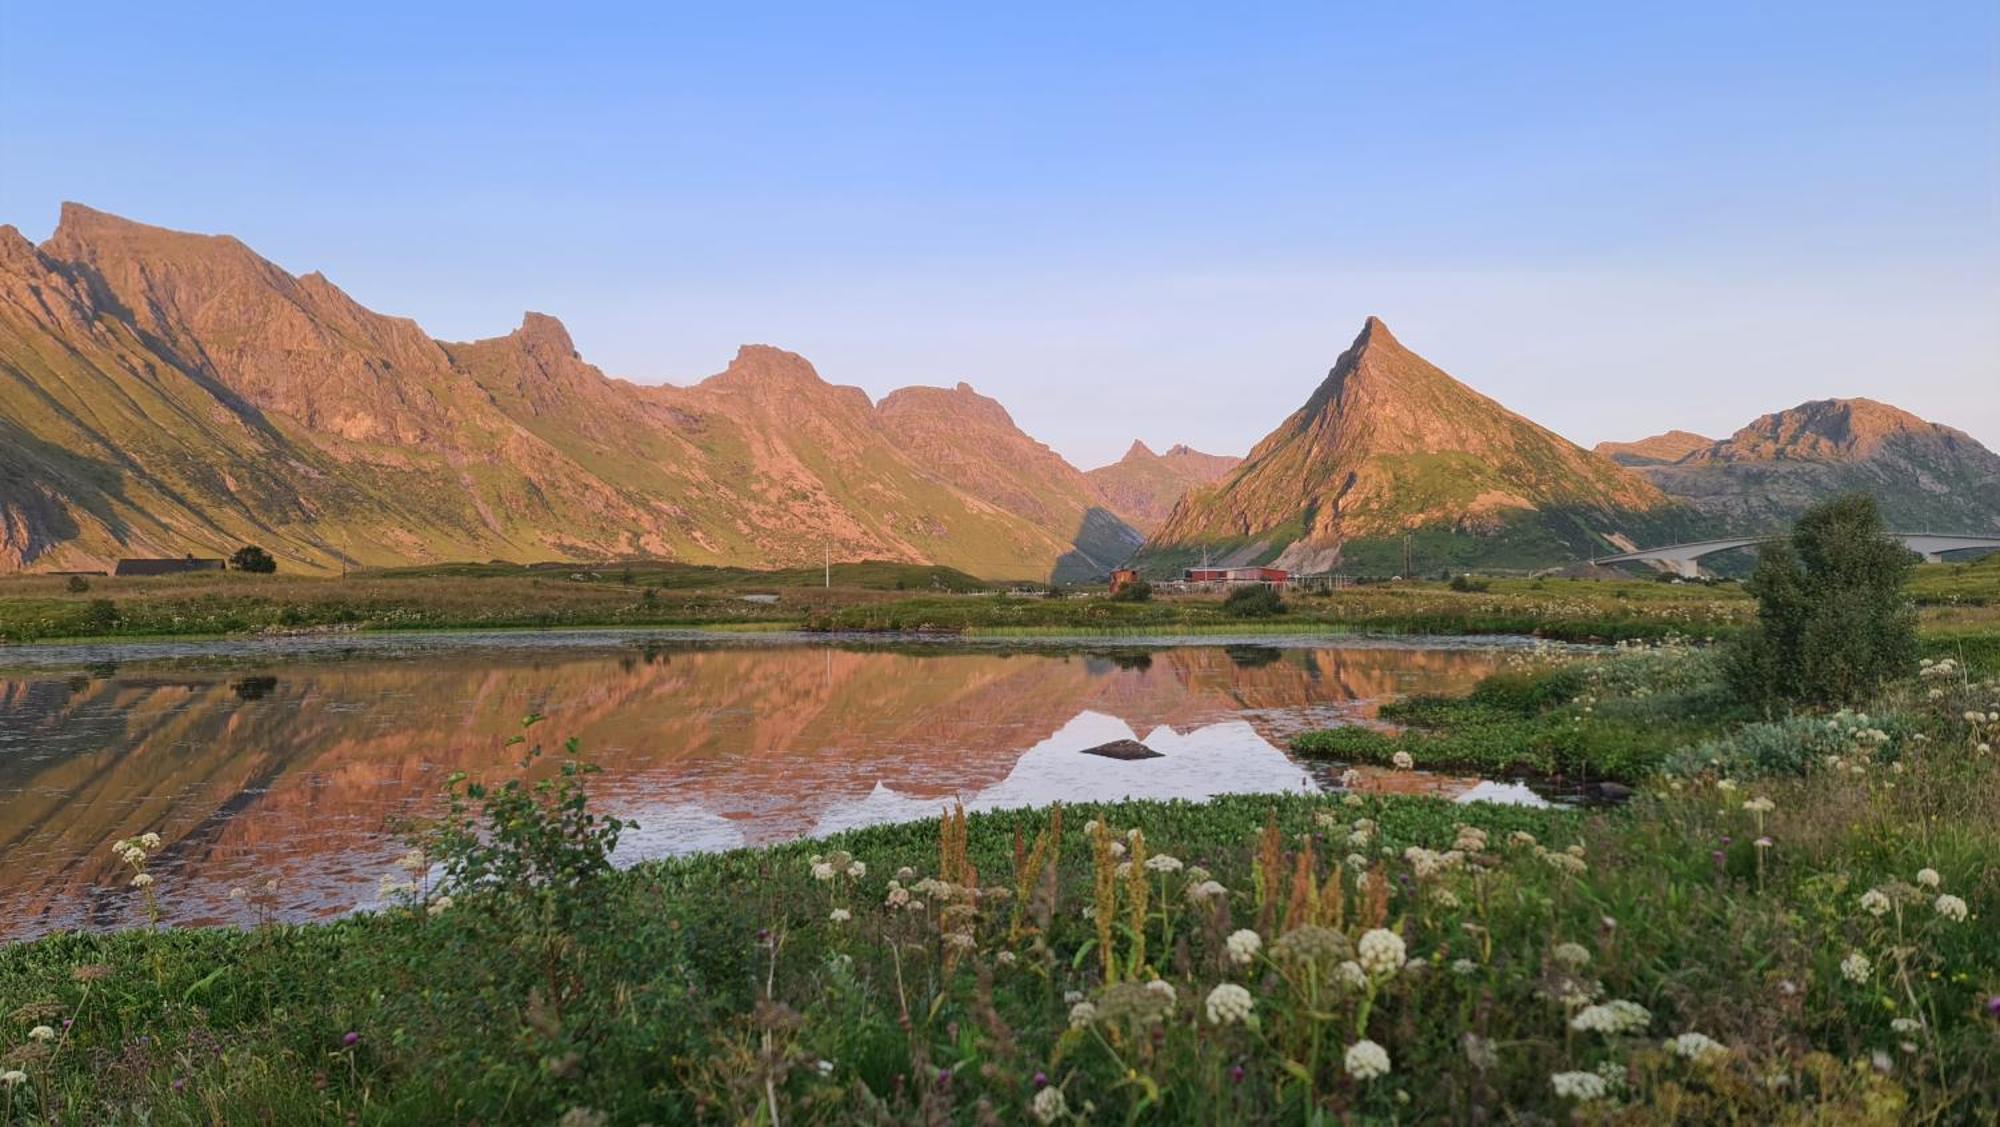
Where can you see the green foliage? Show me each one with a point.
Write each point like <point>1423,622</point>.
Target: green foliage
<point>1137,591</point>
<point>1254,601</point>
<point>526,838</point>
<point>1466,584</point>
<point>254,560</point>
<point>77,585</point>
<point>1833,620</point>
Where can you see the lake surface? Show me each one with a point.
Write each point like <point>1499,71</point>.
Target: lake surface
<point>296,762</point>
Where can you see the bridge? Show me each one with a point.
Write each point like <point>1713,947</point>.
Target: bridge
<point>1682,559</point>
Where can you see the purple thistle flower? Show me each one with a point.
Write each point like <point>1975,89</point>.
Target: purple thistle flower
<point>1993,1006</point>
<point>350,1040</point>
<point>1041,1080</point>
<point>1236,1074</point>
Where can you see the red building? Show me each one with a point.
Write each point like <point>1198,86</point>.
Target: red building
<point>1238,576</point>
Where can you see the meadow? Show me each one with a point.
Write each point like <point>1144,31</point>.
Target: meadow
<point>1790,922</point>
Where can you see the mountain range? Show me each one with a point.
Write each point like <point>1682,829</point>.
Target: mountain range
<point>164,393</point>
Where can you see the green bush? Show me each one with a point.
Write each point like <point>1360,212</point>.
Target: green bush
<point>253,559</point>
<point>1833,620</point>
<point>1256,601</point>
<point>77,585</point>
<point>1137,591</point>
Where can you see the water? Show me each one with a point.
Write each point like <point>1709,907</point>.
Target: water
<point>297,762</point>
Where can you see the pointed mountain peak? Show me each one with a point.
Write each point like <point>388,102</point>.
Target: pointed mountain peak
<point>1139,452</point>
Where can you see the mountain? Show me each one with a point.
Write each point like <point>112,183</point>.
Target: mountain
<point>1143,486</point>
<point>1657,450</point>
<point>1389,444</point>
<point>971,441</point>
<point>164,393</point>
<point>1927,477</point>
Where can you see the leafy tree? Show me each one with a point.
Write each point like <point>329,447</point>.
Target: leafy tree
<point>253,559</point>
<point>77,585</point>
<point>1833,622</point>
<point>1257,601</point>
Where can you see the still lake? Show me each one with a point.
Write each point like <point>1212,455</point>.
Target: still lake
<point>298,760</point>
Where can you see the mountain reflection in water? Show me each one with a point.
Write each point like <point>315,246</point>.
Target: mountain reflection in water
<point>301,771</point>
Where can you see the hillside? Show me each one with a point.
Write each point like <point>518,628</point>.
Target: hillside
<point>1928,477</point>
<point>164,393</point>
<point>1389,444</point>
<point>1143,487</point>
<point>1656,450</point>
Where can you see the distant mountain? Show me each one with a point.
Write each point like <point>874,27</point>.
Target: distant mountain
<point>1927,477</point>
<point>1389,444</point>
<point>1143,486</point>
<point>1660,448</point>
<point>971,441</point>
<point>164,393</point>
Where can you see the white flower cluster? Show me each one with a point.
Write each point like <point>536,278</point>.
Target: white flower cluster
<point>1579,1086</point>
<point>1612,1018</point>
<point>1205,890</point>
<point>1381,953</point>
<point>1162,863</point>
<point>1229,1003</point>
<point>1572,955</point>
<point>1951,908</point>
<point>1243,945</point>
<point>1401,761</point>
<point>1695,1046</point>
<point>1049,1105</point>
<point>1367,1060</point>
<point>1855,967</point>
<point>1875,902</point>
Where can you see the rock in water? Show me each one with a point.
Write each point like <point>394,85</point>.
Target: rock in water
<point>1123,749</point>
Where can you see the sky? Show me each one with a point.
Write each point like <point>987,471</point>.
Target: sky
<point>1152,221</point>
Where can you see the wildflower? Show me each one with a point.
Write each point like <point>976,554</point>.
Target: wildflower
<point>1726,785</point>
<point>1049,1106</point>
<point>439,906</point>
<point>906,874</point>
<point>1366,1060</point>
<point>1357,862</point>
<point>1243,945</point>
<point>12,1077</point>
<point>1205,890</point>
<point>1444,898</point>
<point>1521,838</point>
<point>1951,908</point>
<point>961,940</point>
<point>350,1039</point>
<point>1381,952</point>
<point>1760,805</point>
<point>1929,878</point>
<point>1464,967</point>
<point>1162,863</point>
<point>821,870</point>
<point>1082,1015</point>
<point>1578,1085</point>
<point>840,915</point>
<point>412,862</point>
<point>239,893</point>
<point>41,1033</point>
<point>1855,967</point>
<point>1571,955</point>
<point>1164,989</point>
<point>1229,1003</point>
<point>149,842</point>
<point>1612,1018</point>
<point>143,880</point>
<point>1351,975</point>
<point>1197,874</point>
<point>1471,839</point>
<point>1401,761</point>
<point>1118,849</point>
<point>1875,903</point>
<point>1695,1046</point>
<point>1004,958</point>
<point>1906,1025</point>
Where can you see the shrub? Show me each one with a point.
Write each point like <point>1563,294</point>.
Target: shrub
<point>1137,591</point>
<point>253,559</point>
<point>77,585</point>
<point>1257,601</point>
<point>1465,584</point>
<point>1833,621</point>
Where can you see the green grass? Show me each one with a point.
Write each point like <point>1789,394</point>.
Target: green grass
<point>1618,719</point>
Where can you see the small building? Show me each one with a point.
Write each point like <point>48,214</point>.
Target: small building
<point>182,566</point>
<point>1122,578</point>
<point>1206,574</point>
<point>1270,576</point>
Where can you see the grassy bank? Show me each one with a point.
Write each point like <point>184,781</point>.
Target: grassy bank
<point>1775,932</point>
<point>1960,605</point>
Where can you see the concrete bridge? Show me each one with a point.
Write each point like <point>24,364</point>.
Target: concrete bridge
<point>1682,559</point>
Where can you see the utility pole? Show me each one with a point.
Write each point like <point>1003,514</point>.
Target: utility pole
<point>1406,555</point>
<point>826,556</point>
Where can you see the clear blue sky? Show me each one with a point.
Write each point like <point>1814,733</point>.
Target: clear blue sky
<point>1155,221</point>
